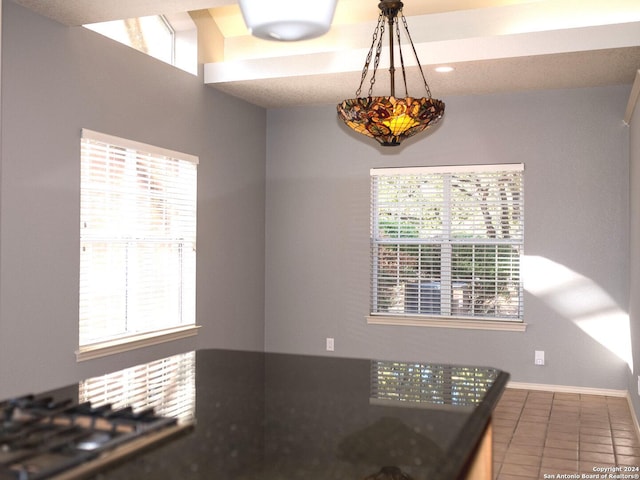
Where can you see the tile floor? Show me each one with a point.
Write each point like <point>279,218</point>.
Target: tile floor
<point>542,435</point>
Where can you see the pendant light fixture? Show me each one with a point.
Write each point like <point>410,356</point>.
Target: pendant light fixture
<point>389,120</point>
<point>288,20</point>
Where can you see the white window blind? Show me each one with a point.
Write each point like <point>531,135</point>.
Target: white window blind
<point>138,238</point>
<point>447,241</point>
<point>168,386</point>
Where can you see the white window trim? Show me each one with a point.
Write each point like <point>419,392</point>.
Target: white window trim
<point>507,325</point>
<point>498,167</point>
<point>134,342</point>
<point>132,144</point>
<point>146,339</point>
<point>450,322</point>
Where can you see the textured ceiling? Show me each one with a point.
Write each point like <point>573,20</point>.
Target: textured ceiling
<point>564,70</point>
<point>494,45</point>
<point>81,12</point>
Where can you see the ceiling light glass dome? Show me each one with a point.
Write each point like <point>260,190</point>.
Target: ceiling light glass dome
<point>288,20</point>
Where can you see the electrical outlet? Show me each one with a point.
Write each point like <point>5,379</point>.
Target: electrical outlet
<point>539,357</point>
<point>330,344</point>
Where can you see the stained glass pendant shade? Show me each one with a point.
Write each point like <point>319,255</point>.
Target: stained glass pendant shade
<point>390,120</point>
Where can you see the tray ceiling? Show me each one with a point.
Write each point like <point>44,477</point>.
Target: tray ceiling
<point>494,46</point>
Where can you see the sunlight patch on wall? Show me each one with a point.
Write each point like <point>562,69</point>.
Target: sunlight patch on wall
<point>582,301</point>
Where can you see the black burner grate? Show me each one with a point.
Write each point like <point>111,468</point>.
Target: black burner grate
<point>40,437</point>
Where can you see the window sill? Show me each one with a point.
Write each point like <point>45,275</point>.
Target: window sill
<point>133,342</point>
<point>411,321</point>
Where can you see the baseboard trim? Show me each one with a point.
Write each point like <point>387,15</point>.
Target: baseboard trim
<point>568,389</point>
<point>633,415</point>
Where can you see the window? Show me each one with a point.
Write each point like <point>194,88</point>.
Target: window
<point>152,35</point>
<point>138,238</point>
<point>169,38</point>
<point>447,242</point>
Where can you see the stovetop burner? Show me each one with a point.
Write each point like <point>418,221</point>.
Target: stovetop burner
<point>41,438</point>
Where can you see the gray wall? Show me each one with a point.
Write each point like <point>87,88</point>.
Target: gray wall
<point>574,147</point>
<point>634,259</point>
<point>57,80</point>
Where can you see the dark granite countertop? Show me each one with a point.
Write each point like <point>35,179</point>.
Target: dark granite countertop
<point>267,416</point>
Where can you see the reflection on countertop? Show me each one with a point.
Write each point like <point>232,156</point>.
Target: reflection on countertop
<point>262,416</point>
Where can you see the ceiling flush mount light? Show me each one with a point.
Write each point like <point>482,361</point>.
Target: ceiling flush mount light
<point>288,20</point>
<point>389,120</point>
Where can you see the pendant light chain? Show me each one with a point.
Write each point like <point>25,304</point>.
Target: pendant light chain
<point>365,69</point>
<point>415,53</point>
<point>376,60</point>
<point>404,75</point>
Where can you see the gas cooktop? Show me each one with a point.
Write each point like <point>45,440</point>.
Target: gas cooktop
<point>43,438</point>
